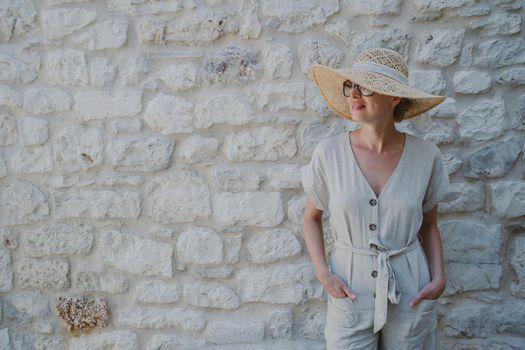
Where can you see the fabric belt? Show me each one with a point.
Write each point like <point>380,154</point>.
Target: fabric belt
<point>386,283</point>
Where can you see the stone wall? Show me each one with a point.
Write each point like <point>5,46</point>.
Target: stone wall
<point>150,152</point>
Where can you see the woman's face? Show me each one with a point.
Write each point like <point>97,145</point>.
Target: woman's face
<point>371,108</point>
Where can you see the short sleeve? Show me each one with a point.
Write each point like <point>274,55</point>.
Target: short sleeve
<point>314,181</point>
<point>438,183</point>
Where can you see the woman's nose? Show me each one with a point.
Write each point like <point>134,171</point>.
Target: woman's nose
<point>355,91</point>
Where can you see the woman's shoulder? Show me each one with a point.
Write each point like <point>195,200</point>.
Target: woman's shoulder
<point>329,143</point>
<point>424,147</point>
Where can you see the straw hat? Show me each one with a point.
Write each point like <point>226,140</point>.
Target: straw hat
<point>378,69</point>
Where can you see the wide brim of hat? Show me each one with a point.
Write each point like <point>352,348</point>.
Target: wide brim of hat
<point>330,83</point>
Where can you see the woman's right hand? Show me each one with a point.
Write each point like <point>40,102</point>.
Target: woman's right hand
<point>335,286</point>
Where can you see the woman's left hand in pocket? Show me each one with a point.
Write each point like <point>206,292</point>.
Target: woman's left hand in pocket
<point>430,291</point>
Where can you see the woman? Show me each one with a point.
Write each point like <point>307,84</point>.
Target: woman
<point>381,187</point>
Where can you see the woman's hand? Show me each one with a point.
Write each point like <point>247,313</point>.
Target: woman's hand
<point>335,286</point>
<point>430,291</point>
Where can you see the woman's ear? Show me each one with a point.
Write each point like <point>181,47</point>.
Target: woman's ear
<point>395,101</point>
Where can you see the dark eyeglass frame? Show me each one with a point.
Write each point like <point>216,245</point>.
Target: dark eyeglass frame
<point>350,85</point>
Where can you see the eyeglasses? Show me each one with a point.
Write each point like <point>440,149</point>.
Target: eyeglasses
<point>348,87</point>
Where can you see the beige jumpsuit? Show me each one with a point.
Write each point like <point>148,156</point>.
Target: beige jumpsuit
<point>377,251</point>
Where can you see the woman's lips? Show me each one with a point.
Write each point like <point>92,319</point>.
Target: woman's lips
<point>358,107</point>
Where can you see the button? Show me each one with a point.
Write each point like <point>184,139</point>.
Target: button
<point>373,201</point>
<point>374,273</point>
<point>372,227</point>
<point>374,294</point>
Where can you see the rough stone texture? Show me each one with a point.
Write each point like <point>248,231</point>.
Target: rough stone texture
<point>518,264</point>
<point>280,324</point>
<point>137,255</point>
<point>181,77</point>
<point>45,101</point>
<point>284,176</point>
<point>58,23</point>
<point>59,239</point>
<point>9,97</point>
<point>200,245</point>
<point>17,19</point>
<point>200,28</point>
<point>133,70</point>
<point>224,109</point>
<point>152,317</point>
<point>508,198</point>
<point>264,143</point>
<point>483,120</point>
<point>248,208</point>
<point>8,129</point>
<point>106,282</point>
<point>430,6</point>
<point>169,114</point>
<point>197,148</point>
<point>495,160</point>
<point>312,325</point>
<point>471,250</point>
<point>108,34</point>
<point>171,341</point>
<point>277,284</point>
<point>125,340</point>
<point>157,291</point>
<point>33,131</point>
<point>19,66</point>
<point>430,81</point>
<point>66,67</point>
<point>497,24</point>
<point>273,246</point>
<point>137,153</point>
<point>440,47</point>
<point>396,39</point>
<point>233,65</point>
<point>126,125</point>
<point>278,61</point>
<point>512,77</point>
<point>225,332</point>
<point>274,97</point>
<point>101,104</point>
<point>26,308</point>
<point>375,7</point>
<point>23,203</point>
<point>102,72</point>
<point>6,270</point>
<point>518,113</point>
<point>78,148</point>
<point>52,273</point>
<point>236,180</point>
<point>298,17</point>
<point>97,204</point>
<point>30,160</point>
<point>179,196</point>
<point>320,52</point>
<point>471,82</point>
<point>462,197</point>
<point>212,295</point>
<point>83,313</point>
<point>497,53</point>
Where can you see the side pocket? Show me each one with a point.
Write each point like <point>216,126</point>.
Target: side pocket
<point>343,304</point>
<point>425,318</point>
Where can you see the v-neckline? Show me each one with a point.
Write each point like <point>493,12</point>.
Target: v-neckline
<point>396,169</point>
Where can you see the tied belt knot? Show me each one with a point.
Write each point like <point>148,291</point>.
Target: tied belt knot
<point>386,282</point>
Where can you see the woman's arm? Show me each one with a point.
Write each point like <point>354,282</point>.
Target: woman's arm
<point>433,247</point>
<point>313,237</point>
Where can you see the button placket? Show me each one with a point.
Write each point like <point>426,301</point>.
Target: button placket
<point>374,219</point>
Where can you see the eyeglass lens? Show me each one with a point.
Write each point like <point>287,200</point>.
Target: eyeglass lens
<point>349,86</point>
